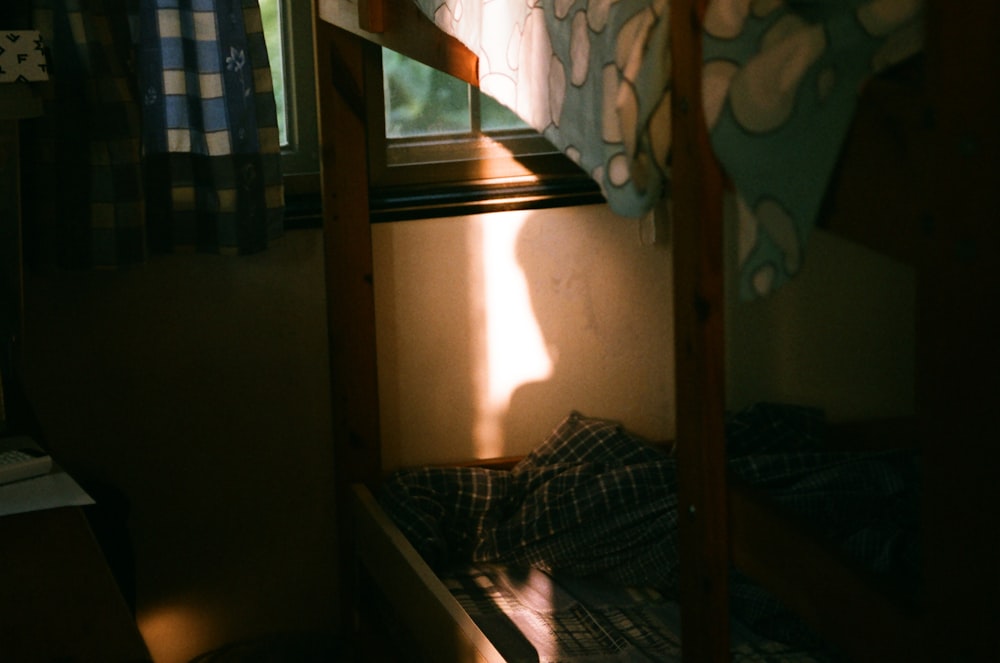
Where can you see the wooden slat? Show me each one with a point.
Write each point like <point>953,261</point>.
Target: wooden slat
<point>401,26</point>
<point>842,602</point>
<point>348,243</point>
<point>699,352</point>
<point>349,286</point>
<point>433,617</point>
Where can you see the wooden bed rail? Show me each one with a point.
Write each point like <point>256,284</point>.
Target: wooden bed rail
<point>443,631</point>
<point>840,600</point>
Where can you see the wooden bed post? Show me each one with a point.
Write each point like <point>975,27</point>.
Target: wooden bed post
<point>699,351</point>
<point>350,292</point>
<point>958,369</point>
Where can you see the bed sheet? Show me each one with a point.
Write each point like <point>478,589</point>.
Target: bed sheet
<point>781,80</point>
<point>533,616</point>
<point>595,501</point>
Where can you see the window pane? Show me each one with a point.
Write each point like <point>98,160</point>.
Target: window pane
<point>270,16</point>
<point>497,117</point>
<point>421,101</point>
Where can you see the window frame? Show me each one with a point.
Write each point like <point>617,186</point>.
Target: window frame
<point>455,174</point>
<point>300,153</point>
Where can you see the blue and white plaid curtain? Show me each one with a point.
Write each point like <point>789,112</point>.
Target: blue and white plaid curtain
<point>160,132</point>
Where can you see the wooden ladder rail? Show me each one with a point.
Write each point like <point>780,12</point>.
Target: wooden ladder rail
<point>958,370</point>
<point>697,198</point>
<point>340,45</point>
<point>341,115</point>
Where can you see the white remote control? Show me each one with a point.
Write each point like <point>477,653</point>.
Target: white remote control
<point>24,462</point>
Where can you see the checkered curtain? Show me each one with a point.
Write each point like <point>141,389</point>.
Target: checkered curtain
<point>160,132</point>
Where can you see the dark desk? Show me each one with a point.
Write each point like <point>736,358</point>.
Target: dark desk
<point>58,599</point>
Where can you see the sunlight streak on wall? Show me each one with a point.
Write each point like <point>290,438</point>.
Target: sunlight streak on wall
<point>513,350</point>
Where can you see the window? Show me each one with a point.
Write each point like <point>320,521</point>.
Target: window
<point>288,31</point>
<point>441,147</point>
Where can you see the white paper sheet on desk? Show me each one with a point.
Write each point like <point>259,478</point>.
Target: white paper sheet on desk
<point>49,491</point>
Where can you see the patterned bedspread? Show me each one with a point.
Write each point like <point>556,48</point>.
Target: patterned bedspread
<point>781,82</point>
<point>594,501</point>
<point>532,616</point>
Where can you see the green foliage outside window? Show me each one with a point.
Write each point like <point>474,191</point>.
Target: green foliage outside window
<point>421,101</point>
<point>270,17</point>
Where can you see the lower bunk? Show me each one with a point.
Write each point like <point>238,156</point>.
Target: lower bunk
<point>570,554</point>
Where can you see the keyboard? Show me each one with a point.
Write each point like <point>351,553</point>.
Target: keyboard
<point>22,459</point>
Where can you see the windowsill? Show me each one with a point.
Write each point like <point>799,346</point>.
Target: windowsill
<point>413,203</point>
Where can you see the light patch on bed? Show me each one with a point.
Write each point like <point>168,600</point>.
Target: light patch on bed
<point>513,351</point>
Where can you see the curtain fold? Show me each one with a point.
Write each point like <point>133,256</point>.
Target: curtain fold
<point>160,133</point>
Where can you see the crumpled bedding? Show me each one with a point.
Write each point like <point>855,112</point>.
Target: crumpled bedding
<point>781,81</point>
<point>595,500</point>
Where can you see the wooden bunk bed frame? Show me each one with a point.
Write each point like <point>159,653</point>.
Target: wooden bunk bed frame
<point>915,184</point>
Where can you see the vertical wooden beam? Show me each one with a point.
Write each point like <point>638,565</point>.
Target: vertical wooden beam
<point>958,369</point>
<point>696,193</point>
<point>342,116</point>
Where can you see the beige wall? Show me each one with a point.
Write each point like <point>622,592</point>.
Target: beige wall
<point>597,331</point>
<point>198,384</point>
<point>838,337</point>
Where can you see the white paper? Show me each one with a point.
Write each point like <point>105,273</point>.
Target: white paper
<point>48,491</point>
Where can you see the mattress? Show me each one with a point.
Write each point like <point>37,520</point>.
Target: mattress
<point>534,616</point>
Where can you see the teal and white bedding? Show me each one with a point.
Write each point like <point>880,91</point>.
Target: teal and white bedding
<point>781,79</point>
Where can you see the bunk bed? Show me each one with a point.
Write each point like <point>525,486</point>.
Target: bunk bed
<point>912,181</point>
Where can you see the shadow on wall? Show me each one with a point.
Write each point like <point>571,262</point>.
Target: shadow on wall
<point>492,328</point>
<point>601,299</point>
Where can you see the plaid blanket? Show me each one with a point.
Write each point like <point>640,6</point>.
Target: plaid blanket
<point>595,500</point>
